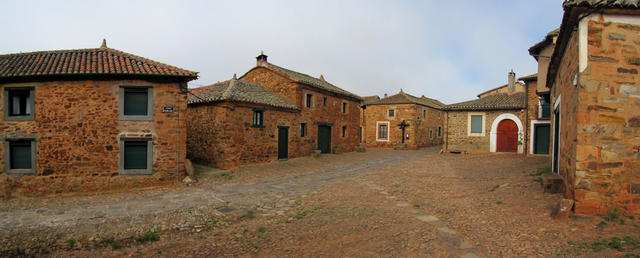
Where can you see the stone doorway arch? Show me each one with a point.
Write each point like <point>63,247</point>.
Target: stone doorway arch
<point>494,131</point>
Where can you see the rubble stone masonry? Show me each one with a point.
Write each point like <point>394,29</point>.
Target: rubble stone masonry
<point>77,132</point>
<point>422,120</point>
<point>600,120</point>
<point>457,127</point>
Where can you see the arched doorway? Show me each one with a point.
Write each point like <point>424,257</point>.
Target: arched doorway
<point>507,136</point>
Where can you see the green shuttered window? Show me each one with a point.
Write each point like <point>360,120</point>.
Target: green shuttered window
<point>136,101</point>
<point>476,124</point>
<point>20,154</point>
<point>135,155</point>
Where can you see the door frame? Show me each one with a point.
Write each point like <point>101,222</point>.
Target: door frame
<point>493,139</point>
<point>287,149</point>
<point>533,133</point>
<point>330,136</point>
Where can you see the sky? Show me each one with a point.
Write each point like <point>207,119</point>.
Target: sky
<point>447,50</point>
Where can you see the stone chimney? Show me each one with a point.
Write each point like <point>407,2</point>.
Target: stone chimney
<point>261,59</point>
<point>385,95</point>
<point>104,43</point>
<point>512,81</point>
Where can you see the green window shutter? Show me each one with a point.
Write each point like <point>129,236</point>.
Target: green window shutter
<point>20,152</point>
<point>135,155</point>
<point>476,124</point>
<point>136,101</point>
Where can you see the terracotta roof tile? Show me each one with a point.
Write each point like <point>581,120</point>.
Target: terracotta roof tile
<point>238,91</point>
<point>90,61</point>
<point>594,3</point>
<point>492,102</point>
<point>404,98</point>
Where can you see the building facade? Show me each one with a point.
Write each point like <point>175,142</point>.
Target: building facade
<point>312,113</point>
<point>595,93</point>
<point>90,120</point>
<point>494,122</point>
<point>403,121</point>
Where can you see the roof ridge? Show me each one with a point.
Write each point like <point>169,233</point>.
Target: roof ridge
<point>227,92</point>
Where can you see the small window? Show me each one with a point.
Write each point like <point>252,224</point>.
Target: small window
<point>476,124</point>
<point>258,118</point>
<point>20,156</point>
<point>136,103</point>
<point>344,131</point>
<point>19,104</point>
<point>392,112</point>
<point>382,132</point>
<point>303,130</point>
<point>430,133</point>
<point>308,100</point>
<point>344,107</point>
<point>136,157</point>
<point>424,113</point>
<point>439,131</point>
<point>324,101</point>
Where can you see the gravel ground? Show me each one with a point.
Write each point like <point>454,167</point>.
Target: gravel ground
<point>379,203</point>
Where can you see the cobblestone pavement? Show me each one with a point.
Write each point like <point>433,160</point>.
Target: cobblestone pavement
<point>271,190</point>
<point>379,203</point>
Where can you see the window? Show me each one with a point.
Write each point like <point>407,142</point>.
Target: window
<point>324,101</point>
<point>258,118</point>
<point>20,156</point>
<point>392,112</point>
<point>382,132</point>
<point>476,124</point>
<point>303,130</point>
<point>424,113</point>
<point>136,103</point>
<point>439,131</point>
<point>308,100</point>
<point>136,157</point>
<point>430,133</point>
<point>344,107</point>
<point>360,134</point>
<point>344,131</point>
<point>18,104</point>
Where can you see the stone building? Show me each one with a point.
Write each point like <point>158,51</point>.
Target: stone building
<point>492,123</point>
<point>402,121</point>
<point>89,120</point>
<point>236,122</point>
<point>312,114</point>
<point>595,94</point>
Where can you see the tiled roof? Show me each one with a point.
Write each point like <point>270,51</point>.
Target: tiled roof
<point>368,99</point>
<point>404,98</point>
<point>529,77</point>
<point>238,91</point>
<point>595,3</point>
<point>492,102</point>
<point>311,81</point>
<point>83,62</point>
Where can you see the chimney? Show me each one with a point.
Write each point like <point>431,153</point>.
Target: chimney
<point>385,95</point>
<point>104,43</point>
<point>512,81</point>
<point>261,59</point>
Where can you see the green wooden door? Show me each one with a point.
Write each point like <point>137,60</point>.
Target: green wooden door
<point>324,138</point>
<point>541,139</point>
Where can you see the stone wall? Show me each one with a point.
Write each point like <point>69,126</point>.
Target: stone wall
<point>532,112</point>
<point>221,134</point>
<point>331,113</point>
<point>77,130</point>
<point>456,130</point>
<point>418,129</point>
<point>600,129</point>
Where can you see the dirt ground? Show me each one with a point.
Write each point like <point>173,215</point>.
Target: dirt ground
<point>384,203</point>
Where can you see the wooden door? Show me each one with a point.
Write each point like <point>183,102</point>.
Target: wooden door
<point>283,142</point>
<point>507,136</point>
<point>541,139</point>
<point>324,138</point>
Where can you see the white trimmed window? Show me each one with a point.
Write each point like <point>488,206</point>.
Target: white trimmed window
<point>382,131</point>
<point>476,124</point>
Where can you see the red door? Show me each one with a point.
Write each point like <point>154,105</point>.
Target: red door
<point>507,136</point>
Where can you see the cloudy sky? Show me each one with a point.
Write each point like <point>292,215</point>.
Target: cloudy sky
<point>448,50</point>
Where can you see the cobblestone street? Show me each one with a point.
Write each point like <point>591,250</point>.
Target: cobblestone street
<point>378,203</point>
